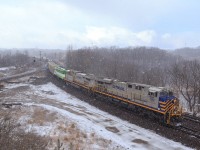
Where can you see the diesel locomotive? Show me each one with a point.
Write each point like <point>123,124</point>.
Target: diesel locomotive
<point>158,102</point>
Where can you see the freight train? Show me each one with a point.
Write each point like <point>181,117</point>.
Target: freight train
<point>158,102</point>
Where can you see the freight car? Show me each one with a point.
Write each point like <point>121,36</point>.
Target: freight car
<point>157,101</point>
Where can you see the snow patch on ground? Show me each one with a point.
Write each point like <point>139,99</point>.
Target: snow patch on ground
<point>7,68</point>
<point>105,125</point>
<point>12,86</point>
<point>116,133</point>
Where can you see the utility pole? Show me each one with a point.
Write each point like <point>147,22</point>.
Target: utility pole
<point>40,55</point>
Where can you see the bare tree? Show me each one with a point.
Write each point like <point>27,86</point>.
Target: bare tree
<point>140,64</point>
<point>185,76</point>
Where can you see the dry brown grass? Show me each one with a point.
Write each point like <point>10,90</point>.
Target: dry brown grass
<point>41,116</point>
<point>13,137</point>
<point>75,139</point>
<point>69,133</point>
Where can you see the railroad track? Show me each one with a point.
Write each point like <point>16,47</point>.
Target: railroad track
<point>191,118</point>
<point>190,125</point>
<point>22,74</point>
<point>189,131</point>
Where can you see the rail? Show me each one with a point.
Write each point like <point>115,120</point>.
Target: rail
<point>191,118</point>
<point>189,131</point>
<point>21,74</point>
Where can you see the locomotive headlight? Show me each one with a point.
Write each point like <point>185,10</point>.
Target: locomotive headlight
<point>175,101</point>
<point>175,109</point>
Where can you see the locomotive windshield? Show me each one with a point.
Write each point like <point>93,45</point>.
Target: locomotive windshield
<point>166,93</point>
<point>171,93</point>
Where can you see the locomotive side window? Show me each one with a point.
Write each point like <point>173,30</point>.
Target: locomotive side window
<point>129,86</point>
<point>87,79</point>
<point>153,94</point>
<point>137,87</point>
<point>100,82</point>
<point>156,94</point>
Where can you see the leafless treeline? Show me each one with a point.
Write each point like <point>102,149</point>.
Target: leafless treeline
<point>8,58</point>
<point>188,53</point>
<point>185,77</point>
<point>142,65</point>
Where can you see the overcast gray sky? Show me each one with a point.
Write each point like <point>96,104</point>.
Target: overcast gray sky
<point>59,23</point>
